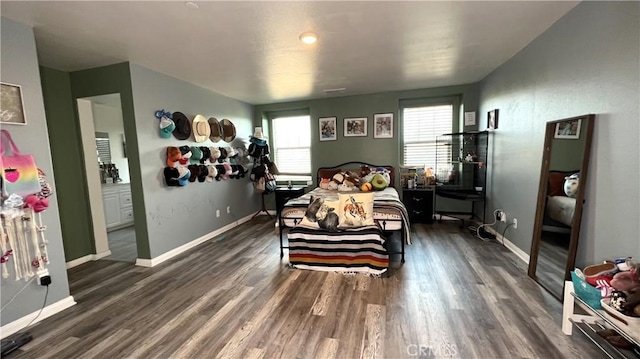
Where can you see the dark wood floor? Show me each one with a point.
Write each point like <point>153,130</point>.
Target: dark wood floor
<point>552,259</point>
<point>455,297</point>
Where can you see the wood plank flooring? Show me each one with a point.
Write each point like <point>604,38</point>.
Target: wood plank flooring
<point>455,297</point>
<point>122,244</point>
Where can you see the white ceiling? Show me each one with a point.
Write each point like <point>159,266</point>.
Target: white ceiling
<point>250,50</point>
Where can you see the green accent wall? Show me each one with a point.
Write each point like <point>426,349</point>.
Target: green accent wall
<point>367,149</point>
<point>68,164</point>
<point>117,79</point>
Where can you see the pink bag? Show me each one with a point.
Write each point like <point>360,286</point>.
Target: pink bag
<point>19,172</point>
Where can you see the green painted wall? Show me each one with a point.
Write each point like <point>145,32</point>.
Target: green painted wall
<point>68,164</point>
<point>368,149</point>
<point>117,79</point>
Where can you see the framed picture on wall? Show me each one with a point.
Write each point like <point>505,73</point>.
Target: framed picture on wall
<point>492,119</point>
<point>383,125</point>
<point>568,129</point>
<point>327,128</point>
<point>355,127</point>
<point>11,106</point>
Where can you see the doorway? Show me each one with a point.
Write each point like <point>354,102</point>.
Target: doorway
<point>107,167</point>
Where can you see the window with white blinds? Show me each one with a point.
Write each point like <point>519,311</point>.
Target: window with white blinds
<point>292,144</point>
<point>421,126</point>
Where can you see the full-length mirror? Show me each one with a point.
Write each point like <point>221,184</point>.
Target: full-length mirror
<point>565,163</point>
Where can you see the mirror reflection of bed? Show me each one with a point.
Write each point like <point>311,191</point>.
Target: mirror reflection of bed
<point>558,216</point>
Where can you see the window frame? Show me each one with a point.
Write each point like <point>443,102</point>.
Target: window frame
<point>268,121</point>
<point>454,101</point>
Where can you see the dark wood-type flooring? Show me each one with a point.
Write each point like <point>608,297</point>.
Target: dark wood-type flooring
<point>122,244</point>
<point>552,260</point>
<point>455,297</point>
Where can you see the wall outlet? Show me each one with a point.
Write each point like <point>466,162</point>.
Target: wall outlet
<point>217,213</point>
<point>228,209</point>
<point>503,217</point>
<point>515,223</point>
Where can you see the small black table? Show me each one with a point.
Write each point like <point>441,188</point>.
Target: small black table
<point>283,194</point>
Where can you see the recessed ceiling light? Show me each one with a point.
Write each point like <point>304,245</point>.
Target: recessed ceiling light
<point>308,37</point>
<point>191,5</point>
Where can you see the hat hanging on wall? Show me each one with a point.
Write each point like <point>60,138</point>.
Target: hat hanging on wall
<point>228,130</point>
<point>257,133</point>
<point>201,129</point>
<point>216,130</point>
<point>166,127</point>
<point>183,126</point>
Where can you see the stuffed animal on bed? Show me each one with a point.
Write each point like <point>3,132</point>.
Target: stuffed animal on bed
<point>324,183</point>
<point>571,184</point>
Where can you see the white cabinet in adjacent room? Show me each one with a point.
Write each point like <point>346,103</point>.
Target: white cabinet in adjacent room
<point>118,207</point>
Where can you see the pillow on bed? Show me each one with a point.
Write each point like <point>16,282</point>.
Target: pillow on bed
<point>556,183</point>
<point>356,209</point>
<point>322,214</point>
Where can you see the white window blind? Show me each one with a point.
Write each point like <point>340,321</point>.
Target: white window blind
<point>292,144</point>
<point>421,127</point>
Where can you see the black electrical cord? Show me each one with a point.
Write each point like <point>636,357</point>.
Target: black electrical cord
<point>505,231</point>
<point>46,294</point>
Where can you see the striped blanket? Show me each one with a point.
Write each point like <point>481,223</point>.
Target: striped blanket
<point>349,250</point>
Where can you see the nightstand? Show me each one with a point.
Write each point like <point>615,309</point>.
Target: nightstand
<point>283,194</point>
<point>419,203</point>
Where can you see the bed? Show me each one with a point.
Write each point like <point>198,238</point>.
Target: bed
<point>365,246</point>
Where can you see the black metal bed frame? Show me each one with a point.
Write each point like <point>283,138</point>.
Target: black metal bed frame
<point>382,224</point>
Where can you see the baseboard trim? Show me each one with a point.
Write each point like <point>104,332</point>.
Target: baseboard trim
<point>88,258</point>
<point>48,311</point>
<point>512,247</point>
<point>143,262</point>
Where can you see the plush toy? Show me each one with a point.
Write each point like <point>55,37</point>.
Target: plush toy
<point>324,183</point>
<point>338,178</point>
<point>571,184</point>
<point>353,179</point>
<point>346,188</point>
<point>332,186</point>
<point>628,280</point>
<point>364,170</point>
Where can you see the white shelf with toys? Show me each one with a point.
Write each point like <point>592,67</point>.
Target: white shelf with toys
<point>588,320</point>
